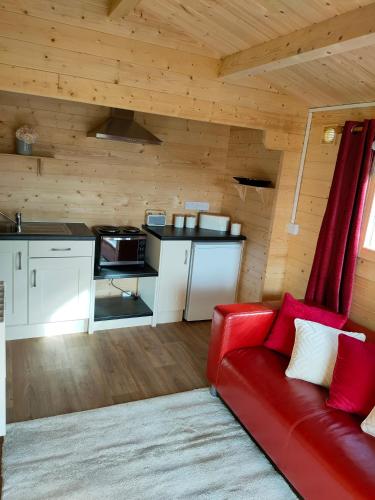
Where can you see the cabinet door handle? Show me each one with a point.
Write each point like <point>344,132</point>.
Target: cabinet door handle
<point>186,257</point>
<point>34,279</point>
<point>19,255</point>
<point>60,249</point>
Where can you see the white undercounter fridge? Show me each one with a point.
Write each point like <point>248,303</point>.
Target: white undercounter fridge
<point>213,277</point>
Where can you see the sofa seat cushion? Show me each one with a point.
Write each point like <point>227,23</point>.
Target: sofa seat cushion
<point>291,422</point>
<point>332,447</point>
<point>252,382</point>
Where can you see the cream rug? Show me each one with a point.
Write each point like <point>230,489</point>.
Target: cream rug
<point>183,446</point>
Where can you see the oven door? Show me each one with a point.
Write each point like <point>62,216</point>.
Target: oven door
<point>120,251</point>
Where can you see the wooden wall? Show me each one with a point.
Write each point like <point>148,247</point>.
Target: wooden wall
<point>252,207</point>
<point>274,279</point>
<point>109,182</point>
<point>318,173</point>
<point>105,181</point>
<point>71,50</point>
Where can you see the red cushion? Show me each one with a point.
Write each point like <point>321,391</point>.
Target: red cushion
<point>281,337</point>
<point>353,383</point>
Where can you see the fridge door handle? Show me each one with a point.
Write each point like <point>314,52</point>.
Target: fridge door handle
<point>186,257</point>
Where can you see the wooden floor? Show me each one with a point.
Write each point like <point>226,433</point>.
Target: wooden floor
<point>51,376</point>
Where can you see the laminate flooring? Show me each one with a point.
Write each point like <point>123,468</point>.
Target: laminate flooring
<point>55,375</point>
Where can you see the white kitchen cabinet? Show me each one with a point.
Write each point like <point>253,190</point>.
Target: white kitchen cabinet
<point>59,289</point>
<point>174,259</point>
<point>48,286</point>
<point>13,271</point>
<point>192,282</point>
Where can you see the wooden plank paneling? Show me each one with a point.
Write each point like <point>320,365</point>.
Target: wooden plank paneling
<point>248,157</point>
<point>228,26</point>
<point>92,15</point>
<point>110,182</point>
<point>179,39</point>
<point>318,173</point>
<point>104,181</point>
<point>28,81</point>
<point>89,64</point>
<point>339,79</point>
<point>336,35</point>
<point>275,273</point>
<point>70,37</point>
<point>121,8</point>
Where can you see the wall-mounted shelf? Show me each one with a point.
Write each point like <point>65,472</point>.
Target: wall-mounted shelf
<point>39,159</point>
<point>265,193</point>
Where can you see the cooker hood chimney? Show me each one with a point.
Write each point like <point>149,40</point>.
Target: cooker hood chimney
<point>120,126</point>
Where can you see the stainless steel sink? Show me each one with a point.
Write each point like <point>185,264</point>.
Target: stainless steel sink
<point>49,228</point>
<point>7,227</point>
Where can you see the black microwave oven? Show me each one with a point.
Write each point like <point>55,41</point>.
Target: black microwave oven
<point>119,246</point>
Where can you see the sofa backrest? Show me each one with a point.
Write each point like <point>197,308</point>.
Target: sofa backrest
<point>351,326</point>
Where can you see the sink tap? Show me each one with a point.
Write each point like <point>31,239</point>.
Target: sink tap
<point>17,221</point>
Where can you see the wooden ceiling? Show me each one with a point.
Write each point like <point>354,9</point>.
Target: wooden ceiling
<point>212,30</point>
<point>346,78</point>
<point>227,26</point>
<point>218,28</point>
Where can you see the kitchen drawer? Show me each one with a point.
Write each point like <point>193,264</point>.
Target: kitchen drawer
<point>60,248</point>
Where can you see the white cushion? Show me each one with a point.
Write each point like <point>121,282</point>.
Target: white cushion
<point>368,425</point>
<point>315,351</point>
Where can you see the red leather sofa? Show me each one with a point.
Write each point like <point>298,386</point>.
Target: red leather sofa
<point>321,451</point>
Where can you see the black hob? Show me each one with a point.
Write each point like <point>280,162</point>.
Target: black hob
<point>116,230</point>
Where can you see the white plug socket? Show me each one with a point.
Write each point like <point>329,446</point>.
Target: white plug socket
<point>293,229</point>
<point>199,206</point>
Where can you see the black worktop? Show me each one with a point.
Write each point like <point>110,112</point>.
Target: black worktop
<point>197,234</point>
<point>47,231</point>
<point>120,272</point>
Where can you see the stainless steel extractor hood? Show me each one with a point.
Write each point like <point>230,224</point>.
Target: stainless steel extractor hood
<point>120,126</point>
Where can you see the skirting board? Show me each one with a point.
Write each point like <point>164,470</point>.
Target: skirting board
<point>46,329</point>
<point>111,324</point>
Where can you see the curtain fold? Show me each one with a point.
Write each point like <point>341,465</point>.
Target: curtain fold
<point>332,274</point>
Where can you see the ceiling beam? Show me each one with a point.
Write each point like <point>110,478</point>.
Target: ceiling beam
<point>121,8</point>
<point>352,30</point>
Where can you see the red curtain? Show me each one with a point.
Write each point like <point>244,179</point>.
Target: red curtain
<point>332,275</point>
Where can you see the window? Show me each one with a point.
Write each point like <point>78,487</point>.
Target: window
<point>368,225</point>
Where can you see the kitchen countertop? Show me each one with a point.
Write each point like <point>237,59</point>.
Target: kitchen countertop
<point>47,231</point>
<point>197,234</point>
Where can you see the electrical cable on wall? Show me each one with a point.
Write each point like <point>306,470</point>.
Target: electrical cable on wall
<point>293,228</point>
<point>128,293</point>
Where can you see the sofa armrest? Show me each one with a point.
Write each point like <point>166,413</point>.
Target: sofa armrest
<point>235,326</point>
